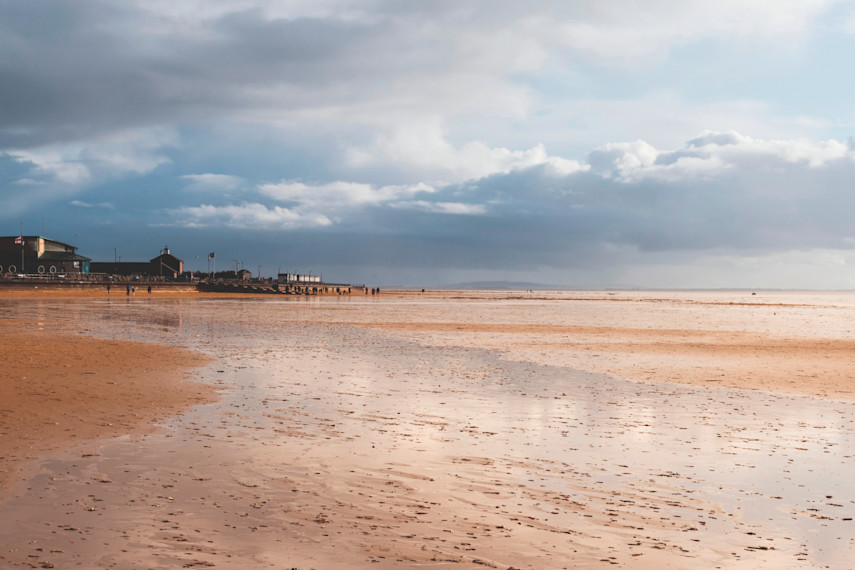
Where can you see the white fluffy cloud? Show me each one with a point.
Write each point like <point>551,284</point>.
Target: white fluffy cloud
<point>73,165</point>
<point>210,182</point>
<point>82,204</point>
<point>339,195</point>
<point>454,208</point>
<point>307,206</point>
<point>712,154</point>
<point>246,216</point>
<point>424,148</point>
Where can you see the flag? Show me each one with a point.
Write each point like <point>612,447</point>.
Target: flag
<point>211,255</point>
<point>19,240</point>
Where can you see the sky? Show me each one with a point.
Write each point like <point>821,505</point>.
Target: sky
<point>592,143</point>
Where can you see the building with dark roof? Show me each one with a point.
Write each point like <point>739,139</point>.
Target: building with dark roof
<point>38,254</point>
<point>164,265</point>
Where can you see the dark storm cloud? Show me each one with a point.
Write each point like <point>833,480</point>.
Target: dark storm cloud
<point>70,70</point>
<point>63,74</point>
<point>534,218</point>
<point>792,208</point>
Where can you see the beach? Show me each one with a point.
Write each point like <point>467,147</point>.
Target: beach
<point>454,429</point>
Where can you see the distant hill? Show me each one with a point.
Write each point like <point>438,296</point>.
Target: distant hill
<point>505,286</point>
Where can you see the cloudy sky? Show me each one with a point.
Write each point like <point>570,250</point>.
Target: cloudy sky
<point>592,143</point>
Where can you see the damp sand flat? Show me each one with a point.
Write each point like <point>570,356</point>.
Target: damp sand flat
<point>458,430</point>
<point>59,389</point>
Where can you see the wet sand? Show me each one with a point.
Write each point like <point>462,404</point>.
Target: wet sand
<point>59,389</point>
<point>464,430</point>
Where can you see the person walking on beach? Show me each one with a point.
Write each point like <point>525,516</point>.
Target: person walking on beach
<point>149,289</point>
<point>128,289</point>
<point>108,288</point>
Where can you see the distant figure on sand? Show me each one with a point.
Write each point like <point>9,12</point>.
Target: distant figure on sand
<point>108,288</point>
<point>149,289</point>
<point>128,289</point>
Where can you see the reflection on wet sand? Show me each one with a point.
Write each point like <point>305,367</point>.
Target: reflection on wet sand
<point>352,434</point>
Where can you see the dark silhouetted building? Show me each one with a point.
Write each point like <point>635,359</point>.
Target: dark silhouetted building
<point>37,254</point>
<point>164,265</point>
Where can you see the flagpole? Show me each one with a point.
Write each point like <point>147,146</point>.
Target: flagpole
<point>22,248</point>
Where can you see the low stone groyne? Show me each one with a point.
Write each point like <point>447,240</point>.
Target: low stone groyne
<point>274,289</point>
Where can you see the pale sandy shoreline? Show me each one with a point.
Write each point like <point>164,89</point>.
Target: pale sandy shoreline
<point>444,430</point>
<point>734,359</point>
<point>771,342</point>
